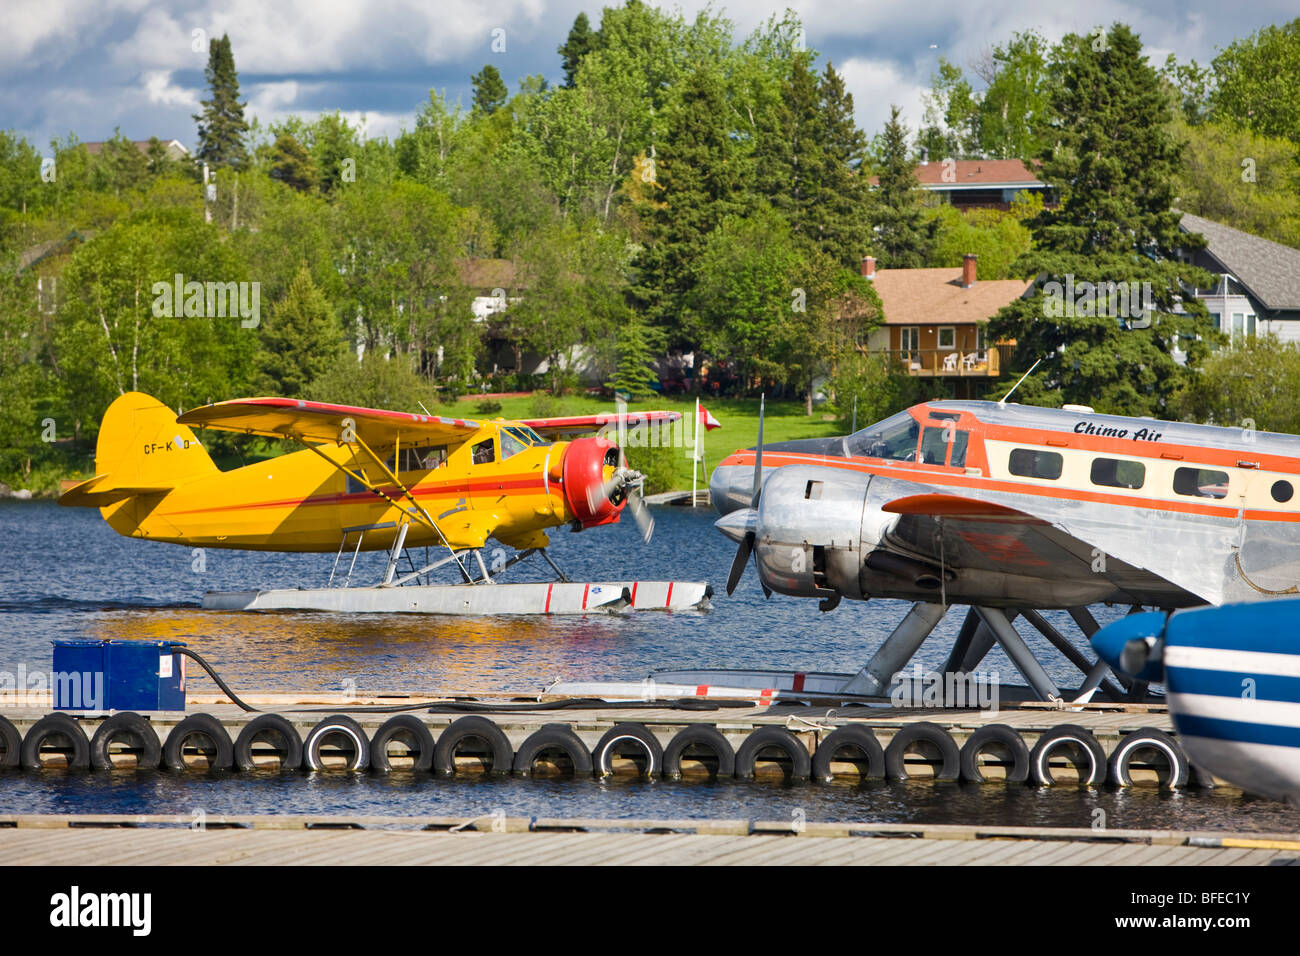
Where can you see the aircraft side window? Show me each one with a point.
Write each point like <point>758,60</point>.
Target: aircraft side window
<point>510,445</point>
<point>934,446</point>
<point>483,453</point>
<point>1034,463</point>
<point>959,440</point>
<point>894,438</point>
<point>1201,482</point>
<point>1118,473</point>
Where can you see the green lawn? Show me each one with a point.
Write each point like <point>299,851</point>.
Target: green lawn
<point>739,418</point>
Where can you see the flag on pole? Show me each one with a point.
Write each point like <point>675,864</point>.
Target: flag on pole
<point>703,417</point>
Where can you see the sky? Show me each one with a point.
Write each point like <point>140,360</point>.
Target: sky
<point>92,66</point>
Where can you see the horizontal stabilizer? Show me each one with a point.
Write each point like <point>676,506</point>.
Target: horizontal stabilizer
<point>100,491</point>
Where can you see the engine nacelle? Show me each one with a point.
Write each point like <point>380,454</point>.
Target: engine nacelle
<point>809,538</point>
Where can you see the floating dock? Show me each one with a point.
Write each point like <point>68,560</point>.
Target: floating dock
<point>1022,742</point>
<point>103,839</point>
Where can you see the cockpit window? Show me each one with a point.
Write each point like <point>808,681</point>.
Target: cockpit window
<point>894,438</point>
<point>526,435</point>
<point>510,443</point>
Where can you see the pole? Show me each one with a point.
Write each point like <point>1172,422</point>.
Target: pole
<point>695,452</point>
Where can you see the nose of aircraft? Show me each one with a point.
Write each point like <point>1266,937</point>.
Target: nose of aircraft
<point>731,485</point>
<point>588,463</point>
<point>1133,645</point>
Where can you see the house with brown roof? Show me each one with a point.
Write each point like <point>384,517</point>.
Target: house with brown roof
<point>176,150</point>
<point>978,183</point>
<point>935,323</point>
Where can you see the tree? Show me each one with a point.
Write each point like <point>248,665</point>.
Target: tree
<point>636,346</point>
<point>1113,168</point>
<point>1242,179</point>
<point>222,127</point>
<point>998,238</point>
<point>1258,82</point>
<point>1253,381</point>
<point>904,234</point>
<point>301,338</point>
<point>292,164</point>
<point>701,178</point>
<point>490,91</point>
<point>120,166</point>
<point>581,41</point>
<point>376,380</point>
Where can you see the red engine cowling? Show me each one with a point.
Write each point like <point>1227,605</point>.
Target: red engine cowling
<point>585,461</point>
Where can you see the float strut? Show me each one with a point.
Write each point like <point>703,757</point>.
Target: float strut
<point>892,656</point>
<point>1014,646</point>
<point>554,567</point>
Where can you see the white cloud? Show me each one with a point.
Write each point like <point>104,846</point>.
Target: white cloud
<point>876,85</point>
<point>160,89</point>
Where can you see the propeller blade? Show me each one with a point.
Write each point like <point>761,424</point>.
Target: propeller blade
<point>641,514</point>
<point>739,561</point>
<point>758,454</point>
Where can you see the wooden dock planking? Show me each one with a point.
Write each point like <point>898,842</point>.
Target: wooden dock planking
<point>173,845</point>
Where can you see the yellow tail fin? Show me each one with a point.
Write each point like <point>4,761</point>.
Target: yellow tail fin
<point>142,450</point>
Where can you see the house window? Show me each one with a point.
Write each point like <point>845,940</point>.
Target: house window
<point>981,338</point>
<point>947,337</point>
<point>909,338</point>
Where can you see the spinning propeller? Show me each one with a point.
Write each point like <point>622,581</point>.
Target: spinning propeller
<point>750,517</point>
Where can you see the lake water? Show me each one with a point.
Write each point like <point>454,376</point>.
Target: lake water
<point>65,574</point>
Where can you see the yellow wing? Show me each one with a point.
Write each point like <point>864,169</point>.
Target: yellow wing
<point>321,422</point>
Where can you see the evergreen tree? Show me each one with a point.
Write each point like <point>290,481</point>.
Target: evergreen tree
<point>636,346</point>
<point>292,164</point>
<point>841,183</point>
<point>904,234</point>
<point>301,339</point>
<point>222,126</point>
<point>581,41</point>
<point>490,91</point>
<point>1113,169</point>
<point>701,179</point>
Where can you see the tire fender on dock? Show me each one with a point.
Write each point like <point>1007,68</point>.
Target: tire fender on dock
<point>923,732</point>
<point>1092,772</point>
<point>336,725</point>
<point>780,739</point>
<point>409,730</point>
<point>11,745</point>
<point>705,737</point>
<point>850,739</point>
<point>473,728</point>
<point>285,738</point>
<point>1148,738</point>
<point>1001,741</point>
<point>618,738</point>
<point>132,726</point>
<point>554,737</point>
<point>56,725</point>
<point>222,757</point>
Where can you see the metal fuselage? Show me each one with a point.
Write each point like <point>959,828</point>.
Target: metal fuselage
<point>1020,506</point>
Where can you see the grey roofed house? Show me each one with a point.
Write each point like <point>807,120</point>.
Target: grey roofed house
<point>1258,289</point>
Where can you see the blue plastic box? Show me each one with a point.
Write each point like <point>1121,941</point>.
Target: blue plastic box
<point>118,675</point>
